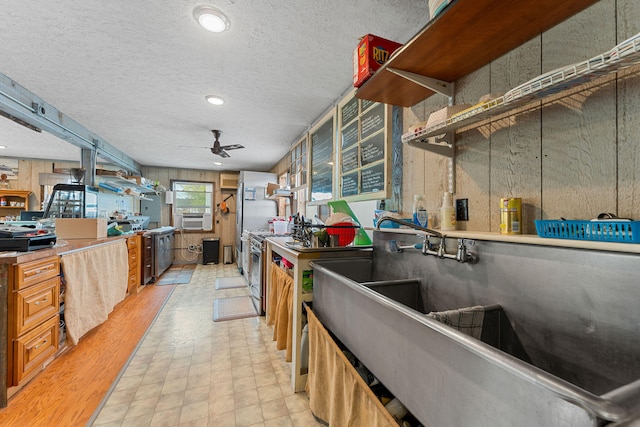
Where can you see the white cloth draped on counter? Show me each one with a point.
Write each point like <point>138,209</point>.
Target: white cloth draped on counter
<point>96,280</point>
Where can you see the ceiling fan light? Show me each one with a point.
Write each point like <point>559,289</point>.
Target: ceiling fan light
<point>217,163</point>
<point>211,19</point>
<point>215,99</point>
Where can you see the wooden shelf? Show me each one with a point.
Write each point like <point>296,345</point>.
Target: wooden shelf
<point>16,196</point>
<point>467,35</point>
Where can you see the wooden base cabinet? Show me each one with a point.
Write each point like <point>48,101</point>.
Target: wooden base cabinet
<point>34,348</point>
<point>134,248</point>
<point>34,317</point>
<point>147,259</point>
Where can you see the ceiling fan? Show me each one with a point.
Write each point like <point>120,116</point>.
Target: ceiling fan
<point>218,149</point>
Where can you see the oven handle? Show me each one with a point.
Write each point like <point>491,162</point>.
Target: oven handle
<point>255,292</point>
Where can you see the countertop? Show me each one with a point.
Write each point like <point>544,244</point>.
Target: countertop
<point>281,243</point>
<point>527,239</point>
<point>62,246</point>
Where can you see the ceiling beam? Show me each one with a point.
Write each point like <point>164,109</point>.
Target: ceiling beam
<point>24,107</point>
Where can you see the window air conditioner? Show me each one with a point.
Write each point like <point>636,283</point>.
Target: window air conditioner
<point>193,221</point>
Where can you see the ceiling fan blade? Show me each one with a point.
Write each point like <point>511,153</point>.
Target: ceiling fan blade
<point>232,147</point>
<point>223,154</point>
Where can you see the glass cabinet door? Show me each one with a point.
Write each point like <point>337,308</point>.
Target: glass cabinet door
<point>70,201</point>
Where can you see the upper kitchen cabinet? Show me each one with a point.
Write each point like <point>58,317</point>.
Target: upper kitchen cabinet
<point>467,35</point>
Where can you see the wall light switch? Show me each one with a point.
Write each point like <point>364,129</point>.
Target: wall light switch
<point>462,209</point>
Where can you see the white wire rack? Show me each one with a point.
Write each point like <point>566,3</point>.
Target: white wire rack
<point>622,56</point>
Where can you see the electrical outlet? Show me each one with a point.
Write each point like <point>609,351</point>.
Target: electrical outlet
<point>462,209</point>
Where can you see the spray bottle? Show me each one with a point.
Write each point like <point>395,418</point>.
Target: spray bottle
<point>448,213</point>
<point>420,216</point>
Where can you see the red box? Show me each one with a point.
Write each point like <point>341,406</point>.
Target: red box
<point>371,53</point>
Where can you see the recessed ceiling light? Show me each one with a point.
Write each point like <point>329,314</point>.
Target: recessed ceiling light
<point>2,147</point>
<point>215,99</point>
<point>211,19</point>
<point>217,163</point>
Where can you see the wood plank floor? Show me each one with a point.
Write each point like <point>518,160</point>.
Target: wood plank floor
<point>70,389</point>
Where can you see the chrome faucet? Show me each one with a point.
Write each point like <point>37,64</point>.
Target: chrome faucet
<point>462,255</point>
<point>408,224</point>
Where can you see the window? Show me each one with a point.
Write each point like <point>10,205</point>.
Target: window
<point>322,145</point>
<point>192,197</point>
<point>299,163</point>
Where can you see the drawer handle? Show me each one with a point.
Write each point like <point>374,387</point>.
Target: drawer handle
<point>40,345</point>
<point>42,270</point>
<point>45,299</point>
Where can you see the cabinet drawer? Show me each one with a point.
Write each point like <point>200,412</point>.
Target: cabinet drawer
<point>34,348</point>
<point>36,303</point>
<point>132,243</point>
<point>133,259</point>
<point>29,273</point>
<point>133,281</point>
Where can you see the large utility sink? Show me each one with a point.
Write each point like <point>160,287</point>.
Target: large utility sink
<point>443,376</point>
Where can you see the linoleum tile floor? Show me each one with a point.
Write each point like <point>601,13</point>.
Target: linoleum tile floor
<point>191,371</point>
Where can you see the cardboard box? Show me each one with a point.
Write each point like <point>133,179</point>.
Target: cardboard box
<point>81,228</point>
<point>440,116</point>
<point>271,188</point>
<point>372,52</point>
<point>134,178</point>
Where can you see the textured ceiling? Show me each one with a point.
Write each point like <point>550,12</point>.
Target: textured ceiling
<point>136,72</point>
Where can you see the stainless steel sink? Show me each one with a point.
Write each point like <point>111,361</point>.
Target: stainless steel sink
<point>441,375</point>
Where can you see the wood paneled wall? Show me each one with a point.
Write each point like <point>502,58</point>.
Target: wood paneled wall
<point>29,171</point>
<point>224,225</point>
<point>573,158</point>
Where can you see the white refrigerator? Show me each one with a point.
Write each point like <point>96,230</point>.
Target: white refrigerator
<point>253,211</point>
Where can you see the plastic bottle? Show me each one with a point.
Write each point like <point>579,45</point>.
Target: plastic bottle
<point>448,213</point>
<point>420,216</point>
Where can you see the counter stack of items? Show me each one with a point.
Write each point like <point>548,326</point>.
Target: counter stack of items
<point>25,239</point>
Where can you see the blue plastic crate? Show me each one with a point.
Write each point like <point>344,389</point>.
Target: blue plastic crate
<point>601,231</point>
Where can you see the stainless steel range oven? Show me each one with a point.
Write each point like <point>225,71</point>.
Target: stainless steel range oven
<point>257,272</point>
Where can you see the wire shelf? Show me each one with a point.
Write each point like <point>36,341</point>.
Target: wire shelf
<point>623,55</point>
